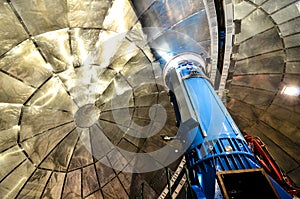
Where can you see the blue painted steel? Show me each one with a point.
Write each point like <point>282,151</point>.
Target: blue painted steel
<point>218,145</point>
<point>218,134</point>
<point>281,192</point>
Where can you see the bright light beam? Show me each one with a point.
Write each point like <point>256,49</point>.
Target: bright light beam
<point>291,90</point>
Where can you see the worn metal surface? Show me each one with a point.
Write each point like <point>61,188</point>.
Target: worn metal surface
<point>11,30</point>
<point>42,16</point>
<point>93,13</point>
<point>62,63</point>
<point>58,56</point>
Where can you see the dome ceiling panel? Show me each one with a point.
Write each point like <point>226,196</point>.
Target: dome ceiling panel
<point>291,41</point>
<point>14,158</point>
<point>141,113</point>
<point>59,157</point>
<point>235,94</point>
<point>117,159</point>
<point>81,156</point>
<point>293,54</point>
<point>261,64</point>
<point>108,116</point>
<point>290,27</point>
<point>16,179</point>
<point>147,89</point>
<point>40,152</point>
<point>10,114</point>
<point>120,17</point>
<point>112,131</point>
<point>52,95</point>
<point>138,71</point>
<point>103,52</point>
<point>254,23</point>
<point>125,177</point>
<point>88,13</point>
<point>284,159</point>
<point>38,120</point>
<point>242,9</point>
<point>114,189</point>
<point>291,79</point>
<point>98,139</point>
<point>291,104</point>
<point>294,174</point>
<point>282,113</point>
<point>105,174</point>
<point>13,91</point>
<point>271,59</point>
<point>130,140</point>
<point>187,26</point>
<point>35,184</point>
<point>281,140</point>
<point>142,6</point>
<point>90,181</point>
<point>117,95</point>
<point>249,96</point>
<point>128,146</point>
<point>55,47</point>
<point>11,30</point>
<point>72,185</point>
<point>288,129</point>
<point>83,42</point>
<point>8,138</point>
<point>249,114</point>
<point>137,62</point>
<point>260,81</point>
<point>258,2</point>
<point>262,102</point>
<point>146,100</point>
<point>95,195</point>
<point>125,53</point>
<point>268,41</point>
<point>42,16</point>
<point>275,5</point>
<point>293,67</point>
<point>136,35</point>
<point>54,187</point>
<point>166,14</point>
<point>286,14</point>
<point>174,42</point>
<point>25,61</point>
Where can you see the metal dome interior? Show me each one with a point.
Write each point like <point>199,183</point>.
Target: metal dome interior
<point>61,60</point>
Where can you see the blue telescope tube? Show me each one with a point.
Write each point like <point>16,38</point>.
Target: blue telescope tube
<point>217,144</point>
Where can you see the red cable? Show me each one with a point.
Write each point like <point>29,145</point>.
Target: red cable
<point>268,163</point>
